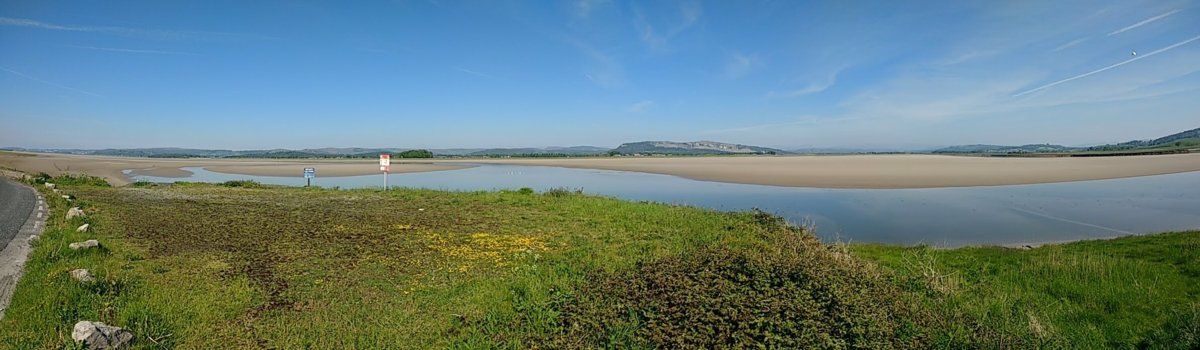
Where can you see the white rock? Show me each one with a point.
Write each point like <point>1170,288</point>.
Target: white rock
<point>96,335</point>
<point>91,243</point>
<point>82,228</point>
<point>83,275</point>
<point>66,197</point>
<point>49,185</point>
<point>74,212</point>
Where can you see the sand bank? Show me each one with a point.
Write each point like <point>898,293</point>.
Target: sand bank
<point>886,171</point>
<point>858,171</point>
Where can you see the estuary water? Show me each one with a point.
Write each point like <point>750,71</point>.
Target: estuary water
<point>948,217</point>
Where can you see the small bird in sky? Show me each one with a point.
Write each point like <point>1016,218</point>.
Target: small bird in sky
<point>1134,53</point>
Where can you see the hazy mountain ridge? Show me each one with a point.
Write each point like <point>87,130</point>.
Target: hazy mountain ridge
<point>1187,138</point>
<point>568,151</point>
<point>1031,148</point>
<point>691,148</point>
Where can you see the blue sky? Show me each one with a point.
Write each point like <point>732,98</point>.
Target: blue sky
<point>438,74</point>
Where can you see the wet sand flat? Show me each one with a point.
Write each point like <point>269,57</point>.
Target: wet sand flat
<point>886,171</point>
<point>854,171</point>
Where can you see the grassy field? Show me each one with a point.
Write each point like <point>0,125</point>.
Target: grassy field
<point>244,266</point>
<point>1132,292</point>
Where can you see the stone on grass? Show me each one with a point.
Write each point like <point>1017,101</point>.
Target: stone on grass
<point>97,335</point>
<point>49,185</point>
<point>91,243</point>
<point>82,228</point>
<point>83,275</point>
<point>74,212</point>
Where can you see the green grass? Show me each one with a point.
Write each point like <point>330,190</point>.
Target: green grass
<point>243,265</point>
<point>1131,292</point>
<point>293,267</point>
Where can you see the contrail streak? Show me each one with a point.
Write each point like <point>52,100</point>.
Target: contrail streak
<point>1118,64</point>
<point>152,33</point>
<point>471,72</point>
<point>27,76</point>
<point>1142,23</point>
<point>113,49</point>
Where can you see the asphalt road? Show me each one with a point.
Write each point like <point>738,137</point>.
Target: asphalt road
<point>16,203</point>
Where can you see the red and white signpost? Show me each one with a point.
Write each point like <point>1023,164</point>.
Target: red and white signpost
<point>385,165</point>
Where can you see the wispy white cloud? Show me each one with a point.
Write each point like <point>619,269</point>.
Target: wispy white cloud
<point>584,8</point>
<point>970,56</point>
<point>641,106</point>
<point>1143,22</point>
<point>741,64</point>
<point>689,14</point>
<point>809,89</point>
<point>124,31</point>
<point>114,49</point>
<point>30,77</point>
<point>1070,44</point>
<point>475,73</point>
<point>1115,65</point>
<point>602,69</point>
<point>805,120</point>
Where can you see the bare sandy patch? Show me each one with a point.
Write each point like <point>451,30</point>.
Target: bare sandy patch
<point>885,171</point>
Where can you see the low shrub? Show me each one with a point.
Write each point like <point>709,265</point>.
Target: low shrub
<point>72,179</point>
<point>242,183</point>
<point>562,192</point>
<point>793,293</point>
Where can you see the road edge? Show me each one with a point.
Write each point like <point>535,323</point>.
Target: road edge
<point>16,253</point>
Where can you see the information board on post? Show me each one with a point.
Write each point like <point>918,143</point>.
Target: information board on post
<point>309,174</point>
<point>385,165</point>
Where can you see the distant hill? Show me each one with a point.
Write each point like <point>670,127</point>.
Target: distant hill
<point>548,151</point>
<point>1034,148</point>
<point>1170,143</point>
<point>1182,139</point>
<point>454,151</point>
<point>848,150</point>
<point>690,148</point>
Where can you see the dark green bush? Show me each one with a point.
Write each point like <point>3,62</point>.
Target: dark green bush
<point>796,293</point>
